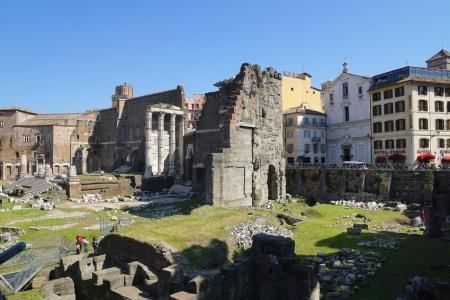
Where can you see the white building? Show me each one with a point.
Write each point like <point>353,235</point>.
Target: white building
<point>304,135</point>
<point>347,106</point>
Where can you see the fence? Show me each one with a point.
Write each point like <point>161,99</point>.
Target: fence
<point>105,227</point>
<point>364,166</point>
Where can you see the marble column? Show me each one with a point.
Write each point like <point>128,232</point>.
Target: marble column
<point>148,145</point>
<point>23,165</point>
<point>180,143</point>
<point>172,145</point>
<point>161,144</point>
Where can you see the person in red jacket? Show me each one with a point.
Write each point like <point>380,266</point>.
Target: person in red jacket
<point>422,218</point>
<point>79,239</point>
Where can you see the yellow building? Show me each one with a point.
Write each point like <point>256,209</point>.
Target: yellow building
<point>297,89</point>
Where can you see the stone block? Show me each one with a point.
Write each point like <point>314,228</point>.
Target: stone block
<point>184,296</point>
<point>198,284</point>
<point>246,262</point>
<point>128,279</point>
<point>151,286</point>
<point>276,245</point>
<point>229,270</point>
<point>361,226</point>
<point>98,276</point>
<point>354,230</point>
<point>114,281</point>
<point>215,276</point>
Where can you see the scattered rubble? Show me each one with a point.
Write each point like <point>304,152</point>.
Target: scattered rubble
<point>244,234</point>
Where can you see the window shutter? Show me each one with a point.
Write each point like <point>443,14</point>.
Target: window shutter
<point>426,105</point>
<point>436,106</point>
<point>437,124</point>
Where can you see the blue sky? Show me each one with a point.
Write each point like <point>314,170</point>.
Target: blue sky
<point>68,56</point>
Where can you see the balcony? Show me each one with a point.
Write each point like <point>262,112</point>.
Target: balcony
<point>315,139</point>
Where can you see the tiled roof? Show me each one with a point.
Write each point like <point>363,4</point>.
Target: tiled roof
<point>21,109</point>
<point>440,54</point>
<point>51,119</point>
<point>303,111</point>
<point>414,79</point>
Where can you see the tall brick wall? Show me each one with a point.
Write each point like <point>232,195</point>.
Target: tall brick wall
<point>238,146</point>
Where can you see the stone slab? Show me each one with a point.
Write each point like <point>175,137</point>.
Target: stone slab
<point>354,230</point>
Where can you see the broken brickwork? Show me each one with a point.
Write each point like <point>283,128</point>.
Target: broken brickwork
<point>238,157</point>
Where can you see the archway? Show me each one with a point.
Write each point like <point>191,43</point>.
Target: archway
<point>272,186</point>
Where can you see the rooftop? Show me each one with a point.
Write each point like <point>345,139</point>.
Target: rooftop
<point>440,54</point>
<point>51,119</point>
<point>21,109</point>
<point>303,110</point>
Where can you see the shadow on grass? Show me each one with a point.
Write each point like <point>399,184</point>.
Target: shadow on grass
<point>159,211</point>
<point>211,256</point>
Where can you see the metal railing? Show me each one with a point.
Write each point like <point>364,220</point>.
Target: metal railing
<point>364,166</point>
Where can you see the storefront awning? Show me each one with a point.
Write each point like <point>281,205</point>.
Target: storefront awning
<point>446,158</point>
<point>425,155</point>
<point>397,156</point>
<point>380,158</point>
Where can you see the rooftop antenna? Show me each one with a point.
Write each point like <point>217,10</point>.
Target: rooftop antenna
<point>345,58</point>
<point>303,68</point>
<point>406,62</point>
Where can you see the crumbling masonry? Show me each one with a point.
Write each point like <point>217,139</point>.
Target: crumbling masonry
<point>238,146</point>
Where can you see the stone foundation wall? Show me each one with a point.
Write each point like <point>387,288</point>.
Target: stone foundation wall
<point>157,184</point>
<point>325,185</point>
<point>123,186</point>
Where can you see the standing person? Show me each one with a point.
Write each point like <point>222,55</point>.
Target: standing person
<point>95,245</point>
<point>79,239</point>
<point>85,245</point>
<point>422,218</point>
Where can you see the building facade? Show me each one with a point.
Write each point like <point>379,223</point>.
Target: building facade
<point>194,107</point>
<point>304,135</point>
<point>347,105</point>
<point>410,113</point>
<point>297,89</point>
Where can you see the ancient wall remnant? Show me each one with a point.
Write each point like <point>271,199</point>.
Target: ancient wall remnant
<point>238,154</point>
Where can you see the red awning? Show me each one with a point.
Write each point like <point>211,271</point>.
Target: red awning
<point>380,158</point>
<point>397,156</point>
<point>426,155</point>
<point>446,158</point>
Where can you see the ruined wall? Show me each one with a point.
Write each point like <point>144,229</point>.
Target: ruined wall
<point>325,185</point>
<point>108,134</point>
<point>239,157</point>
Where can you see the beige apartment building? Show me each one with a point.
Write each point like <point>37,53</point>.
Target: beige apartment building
<point>410,109</point>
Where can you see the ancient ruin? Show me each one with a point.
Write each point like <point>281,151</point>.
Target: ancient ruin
<point>238,157</point>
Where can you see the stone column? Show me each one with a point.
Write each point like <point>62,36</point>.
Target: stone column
<point>161,144</point>
<point>148,145</point>
<point>180,143</point>
<point>23,165</point>
<point>172,145</point>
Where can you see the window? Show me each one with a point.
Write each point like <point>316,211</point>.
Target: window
<point>290,147</point>
<point>389,126</point>
<point>448,106</point>
<point>306,134</point>
<point>447,92</point>
<point>401,143</point>
<point>38,138</point>
<point>400,124</point>
<point>345,89</point>
<point>78,137</point>
<point>306,121</point>
<point>399,106</point>
<point>49,137</point>
<point>448,143</point>
<point>290,160</point>
<point>387,94</point>
<point>192,106</point>
<point>423,105</point>
<point>290,133</point>
<point>439,106</point>
<point>196,106</point>
<point>388,108</point>
<point>346,114</point>
<point>424,143</point>
<point>441,143</point>
<point>292,89</point>
<point>290,121</point>
<point>48,154</point>
<point>2,114</point>
<point>26,138</point>
<point>439,124</point>
<point>376,110</point>
<point>322,123</point>
<point>376,96</point>
<point>438,91</point>
<point>423,123</point>
<point>314,133</point>
<point>314,122</point>
<point>307,147</point>
<point>306,160</point>
<point>389,144</point>
<point>316,147</point>
<point>1,123</point>
<point>400,91</point>
<point>377,127</point>
<point>377,145</point>
<point>360,90</point>
<point>322,134</point>
<point>422,90</point>
<point>322,148</point>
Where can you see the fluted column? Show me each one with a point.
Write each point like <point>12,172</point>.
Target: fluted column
<point>180,143</point>
<point>148,145</point>
<point>172,145</point>
<point>161,144</point>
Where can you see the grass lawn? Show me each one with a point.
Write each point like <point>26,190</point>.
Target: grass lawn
<point>200,236</point>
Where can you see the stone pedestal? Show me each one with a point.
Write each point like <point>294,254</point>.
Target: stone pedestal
<point>23,165</point>
<point>48,172</point>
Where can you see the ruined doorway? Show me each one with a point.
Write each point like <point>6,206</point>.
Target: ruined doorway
<point>272,183</point>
